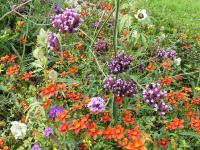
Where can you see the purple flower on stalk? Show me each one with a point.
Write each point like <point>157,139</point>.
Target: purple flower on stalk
<point>152,94</point>
<point>52,41</point>
<point>97,25</point>
<point>54,111</point>
<point>96,104</point>
<point>101,46</point>
<point>57,9</point>
<point>120,87</point>
<point>36,147</point>
<point>108,83</point>
<point>124,88</point>
<point>67,22</point>
<point>142,67</point>
<point>120,63</point>
<point>170,54</point>
<point>47,132</point>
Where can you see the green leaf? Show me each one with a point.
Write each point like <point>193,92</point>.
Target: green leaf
<point>190,133</point>
<point>68,81</point>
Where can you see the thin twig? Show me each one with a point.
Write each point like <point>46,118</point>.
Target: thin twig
<point>14,9</point>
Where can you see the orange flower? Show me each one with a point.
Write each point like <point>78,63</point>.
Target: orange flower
<point>80,45</point>
<point>108,7</point>
<point>65,54</point>
<point>181,96</point>
<point>27,76</point>
<point>46,104</point>
<point>12,58</point>
<point>118,132</point>
<point>92,131</point>
<point>72,59</point>
<point>175,124</point>
<point>73,70</point>
<point>77,107</point>
<point>4,59</point>
<point>151,67</point>
<point>165,64</point>
<point>5,148</point>
<point>179,77</point>
<point>134,133</point>
<point>62,116</point>
<point>128,117</point>
<point>78,125</point>
<point>23,40</point>
<point>186,90</point>
<point>84,14</point>
<point>183,36</point>
<point>164,143</point>
<point>64,128</point>
<point>167,81</point>
<point>198,39</point>
<point>106,117</point>
<point>86,101</point>
<point>13,70</point>
<point>74,96</point>
<point>138,144</point>
<point>1,142</point>
<point>196,124</point>
<point>190,114</point>
<point>185,46</point>
<point>173,102</point>
<point>107,133</point>
<point>51,89</point>
<point>124,33</point>
<point>81,33</point>
<point>123,143</point>
<point>196,101</point>
<point>119,99</point>
<point>63,74</point>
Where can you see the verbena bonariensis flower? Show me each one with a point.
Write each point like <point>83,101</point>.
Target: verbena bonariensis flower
<point>54,111</point>
<point>52,41</point>
<point>97,25</point>
<point>161,108</point>
<point>170,54</point>
<point>57,9</point>
<point>35,147</point>
<point>67,22</point>
<point>96,104</point>
<point>120,87</point>
<point>101,46</point>
<point>153,96</point>
<point>120,63</point>
<point>124,88</point>
<point>47,132</point>
<point>108,83</point>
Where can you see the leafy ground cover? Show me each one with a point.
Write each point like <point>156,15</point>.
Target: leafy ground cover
<point>99,75</point>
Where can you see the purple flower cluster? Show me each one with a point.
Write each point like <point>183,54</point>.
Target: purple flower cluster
<point>35,147</point>
<point>120,63</point>
<point>57,9</point>
<point>96,104</point>
<point>97,25</point>
<point>120,87</point>
<point>170,54</point>
<point>52,41</point>
<point>67,22</point>
<point>54,111</point>
<point>153,96</point>
<point>47,132</point>
<point>101,46</point>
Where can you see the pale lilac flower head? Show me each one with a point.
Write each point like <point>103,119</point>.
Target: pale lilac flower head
<point>57,9</point>
<point>96,104</point>
<point>52,41</point>
<point>54,111</point>
<point>47,132</point>
<point>120,63</point>
<point>161,108</point>
<point>36,147</point>
<point>67,22</point>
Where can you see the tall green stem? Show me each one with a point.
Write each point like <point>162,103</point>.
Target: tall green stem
<point>115,42</point>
